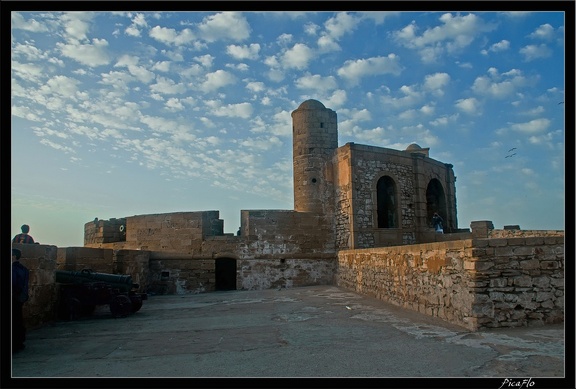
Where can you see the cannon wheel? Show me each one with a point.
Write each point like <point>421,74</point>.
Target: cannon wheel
<point>120,306</point>
<point>88,309</point>
<point>136,303</point>
<point>72,309</point>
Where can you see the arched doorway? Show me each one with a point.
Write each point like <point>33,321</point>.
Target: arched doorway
<point>225,269</point>
<point>436,201</point>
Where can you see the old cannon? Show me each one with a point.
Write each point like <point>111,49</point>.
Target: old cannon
<point>81,291</point>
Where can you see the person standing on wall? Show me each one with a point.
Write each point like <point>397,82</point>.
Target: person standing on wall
<point>437,223</point>
<point>23,237</point>
<point>20,276</point>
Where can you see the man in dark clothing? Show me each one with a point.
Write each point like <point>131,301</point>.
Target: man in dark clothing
<point>20,276</point>
<point>23,237</point>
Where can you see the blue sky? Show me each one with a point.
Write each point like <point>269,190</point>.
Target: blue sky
<point>117,114</point>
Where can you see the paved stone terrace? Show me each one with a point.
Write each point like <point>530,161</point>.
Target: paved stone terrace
<point>320,331</point>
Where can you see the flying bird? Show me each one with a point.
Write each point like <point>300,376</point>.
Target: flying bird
<point>511,155</point>
<point>512,149</point>
<point>561,103</point>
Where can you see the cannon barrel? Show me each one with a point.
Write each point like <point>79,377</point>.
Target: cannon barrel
<point>123,282</point>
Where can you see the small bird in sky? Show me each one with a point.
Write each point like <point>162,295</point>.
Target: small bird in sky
<point>512,149</point>
<point>561,103</point>
<point>511,155</point>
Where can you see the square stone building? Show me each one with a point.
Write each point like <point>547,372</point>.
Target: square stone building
<point>374,196</point>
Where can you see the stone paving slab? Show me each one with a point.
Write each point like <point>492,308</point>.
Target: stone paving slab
<point>308,332</point>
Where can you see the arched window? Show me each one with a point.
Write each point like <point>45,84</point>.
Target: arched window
<point>387,203</point>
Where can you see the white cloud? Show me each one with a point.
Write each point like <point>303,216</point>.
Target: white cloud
<point>26,113</point>
<point>60,85</point>
<point>266,143</point>
<point>500,85</point>
<point>173,104</point>
<point>316,83</point>
<point>531,127</point>
<point>217,80</point>
<point>497,47</point>
<point>57,146</point>
<point>544,32</point>
<point>205,60</point>
<point>337,99</point>
<point>470,105</point>
<point>163,66</point>
<point>353,71</point>
<point>224,26</point>
<point>93,55</point>
<point>532,52</point>
<point>27,50</point>
<point>170,36</point>
<point>27,71</point>
<point>455,33</point>
<point>255,86</point>
<point>410,96</point>
<point>76,26</point>
<point>436,82</point>
<point>241,110</point>
<point>284,39</point>
<point>244,52</point>
<point>297,57</point>
<point>18,22</point>
<point>341,24</point>
<point>167,86</point>
<point>377,17</point>
<point>139,72</point>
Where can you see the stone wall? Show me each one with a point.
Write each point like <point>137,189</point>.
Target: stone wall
<point>173,273</point>
<point>79,258</point>
<point>41,262</point>
<point>104,231</point>
<point>276,232</point>
<point>475,283</point>
<point>178,232</point>
<point>285,273</point>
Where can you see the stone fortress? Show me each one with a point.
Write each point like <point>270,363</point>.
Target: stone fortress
<point>361,220</point>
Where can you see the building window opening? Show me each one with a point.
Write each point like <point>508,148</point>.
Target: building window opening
<point>386,203</point>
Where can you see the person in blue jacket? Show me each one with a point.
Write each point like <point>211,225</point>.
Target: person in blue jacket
<point>20,276</point>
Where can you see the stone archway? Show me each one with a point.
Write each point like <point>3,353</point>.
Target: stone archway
<point>436,202</point>
<point>225,273</point>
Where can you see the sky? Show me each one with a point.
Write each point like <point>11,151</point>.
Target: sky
<point>124,113</point>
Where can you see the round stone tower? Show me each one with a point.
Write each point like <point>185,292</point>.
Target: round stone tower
<point>314,137</point>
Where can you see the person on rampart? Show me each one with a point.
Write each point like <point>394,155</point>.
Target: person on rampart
<point>20,277</point>
<point>437,223</point>
<point>23,237</point>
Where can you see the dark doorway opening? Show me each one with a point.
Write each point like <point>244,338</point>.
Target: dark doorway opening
<point>386,202</point>
<point>225,269</point>
<point>436,202</point>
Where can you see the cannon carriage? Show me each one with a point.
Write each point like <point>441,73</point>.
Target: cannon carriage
<point>81,291</point>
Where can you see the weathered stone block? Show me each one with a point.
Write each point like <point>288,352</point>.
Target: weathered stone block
<point>541,282</point>
<point>507,251</point>
<point>523,281</point>
<point>544,296</point>
<point>530,264</point>
<point>498,242</point>
<point>498,282</point>
<point>549,265</point>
